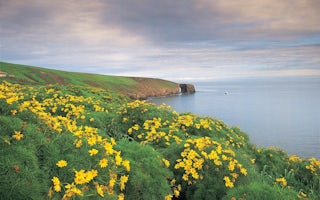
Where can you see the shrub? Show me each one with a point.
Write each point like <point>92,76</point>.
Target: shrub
<point>261,191</point>
<point>20,175</point>
<point>148,175</point>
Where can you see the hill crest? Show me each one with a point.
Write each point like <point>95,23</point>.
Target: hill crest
<point>134,87</point>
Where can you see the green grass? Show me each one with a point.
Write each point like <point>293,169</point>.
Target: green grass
<point>31,74</point>
<point>126,85</point>
<point>162,153</point>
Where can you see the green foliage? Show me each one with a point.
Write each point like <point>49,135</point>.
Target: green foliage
<point>148,176</point>
<point>271,161</point>
<point>24,74</point>
<point>21,176</point>
<point>135,150</point>
<point>261,191</point>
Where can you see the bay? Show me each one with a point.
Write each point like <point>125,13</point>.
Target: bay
<point>274,112</point>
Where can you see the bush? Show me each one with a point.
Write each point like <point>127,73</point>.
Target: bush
<point>55,143</point>
<point>261,191</point>
<point>20,176</point>
<point>148,175</point>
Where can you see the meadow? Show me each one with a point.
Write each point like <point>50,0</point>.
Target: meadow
<point>84,142</point>
<point>134,87</point>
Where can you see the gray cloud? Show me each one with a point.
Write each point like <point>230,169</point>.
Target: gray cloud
<point>161,38</point>
<point>213,20</point>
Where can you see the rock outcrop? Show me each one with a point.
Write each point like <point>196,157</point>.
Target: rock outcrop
<point>151,87</point>
<point>187,88</point>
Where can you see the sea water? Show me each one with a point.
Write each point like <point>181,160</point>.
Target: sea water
<point>274,112</point>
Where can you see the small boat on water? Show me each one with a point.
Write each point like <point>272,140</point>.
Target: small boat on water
<point>226,93</point>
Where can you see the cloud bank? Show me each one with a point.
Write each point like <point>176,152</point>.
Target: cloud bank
<point>176,40</point>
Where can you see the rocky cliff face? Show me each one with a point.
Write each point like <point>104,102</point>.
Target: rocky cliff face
<point>156,87</point>
<point>150,87</point>
<point>187,88</point>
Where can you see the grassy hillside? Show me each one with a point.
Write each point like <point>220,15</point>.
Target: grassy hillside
<point>138,88</point>
<point>72,141</point>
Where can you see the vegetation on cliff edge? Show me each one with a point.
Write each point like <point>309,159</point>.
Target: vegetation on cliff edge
<point>134,87</point>
<point>66,135</point>
<point>80,142</point>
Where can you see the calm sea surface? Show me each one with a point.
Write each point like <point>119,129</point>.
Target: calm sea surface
<point>283,113</point>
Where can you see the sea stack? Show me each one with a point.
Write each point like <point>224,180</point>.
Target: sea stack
<point>187,88</point>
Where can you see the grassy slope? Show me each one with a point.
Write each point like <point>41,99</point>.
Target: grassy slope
<point>170,154</point>
<point>132,86</point>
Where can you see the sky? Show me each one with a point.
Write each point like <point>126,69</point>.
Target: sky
<point>180,40</point>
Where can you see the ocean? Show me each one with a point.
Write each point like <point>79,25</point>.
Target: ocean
<point>281,112</point>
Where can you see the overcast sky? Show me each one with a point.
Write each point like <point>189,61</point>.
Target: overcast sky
<point>171,39</point>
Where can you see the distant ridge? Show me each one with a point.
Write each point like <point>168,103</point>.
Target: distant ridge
<point>134,87</point>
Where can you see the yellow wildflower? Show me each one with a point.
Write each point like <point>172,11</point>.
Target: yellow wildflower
<point>136,127</point>
<point>166,162</point>
<point>168,197</point>
<point>118,159</point>
<point>126,164</point>
<point>282,181</point>
<point>103,163</point>
<point>231,165</point>
<point>62,163</point>
<point>93,152</point>
<point>71,190</point>
<point>243,171</point>
<point>123,181</point>
<point>228,182</point>
<point>56,184</point>
<point>12,99</point>
<point>92,141</point>
<point>111,182</point>
<point>113,141</point>
<point>80,177</point>
<point>99,190</point>
<point>176,192</point>
<point>13,112</point>
<point>108,147</point>
<point>91,175</point>
<point>78,143</point>
<point>17,135</point>
<point>50,193</point>
<point>302,195</point>
<point>121,196</point>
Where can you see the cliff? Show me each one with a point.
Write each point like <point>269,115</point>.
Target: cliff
<point>187,88</point>
<point>133,87</point>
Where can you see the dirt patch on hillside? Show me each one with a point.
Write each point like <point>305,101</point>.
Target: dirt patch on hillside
<point>52,78</point>
<point>149,87</point>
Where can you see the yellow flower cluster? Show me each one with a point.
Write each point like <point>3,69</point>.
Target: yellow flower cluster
<point>314,166</point>
<point>152,132</point>
<point>11,96</point>
<point>186,120</point>
<point>294,158</point>
<point>64,114</point>
<point>302,195</point>
<point>56,184</point>
<point>137,104</point>
<point>205,123</point>
<point>82,177</point>
<point>203,150</point>
<point>238,141</point>
<point>282,181</point>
